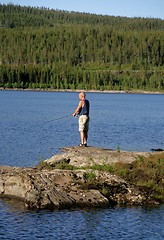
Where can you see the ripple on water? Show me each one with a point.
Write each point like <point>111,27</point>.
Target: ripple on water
<point>112,223</point>
<point>132,122</point>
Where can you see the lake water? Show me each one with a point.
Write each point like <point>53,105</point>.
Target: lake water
<point>30,132</point>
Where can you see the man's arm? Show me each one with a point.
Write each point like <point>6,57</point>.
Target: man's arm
<point>78,109</point>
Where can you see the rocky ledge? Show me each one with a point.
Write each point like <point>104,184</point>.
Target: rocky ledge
<point>48,187</point>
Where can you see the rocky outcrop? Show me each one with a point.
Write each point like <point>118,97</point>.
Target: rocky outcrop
<point>40,188</point>
<point>64,188</point>
<point>80,157</point>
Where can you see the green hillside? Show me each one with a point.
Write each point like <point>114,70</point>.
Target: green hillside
<point>44,48</point>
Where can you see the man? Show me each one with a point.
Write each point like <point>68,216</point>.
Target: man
<point>83,111</point>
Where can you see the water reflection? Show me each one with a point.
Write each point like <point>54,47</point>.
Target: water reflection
<point>112,223</point>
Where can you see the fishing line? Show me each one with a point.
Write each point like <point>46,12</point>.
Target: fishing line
<point>39,123</point>
<point>55,119</point>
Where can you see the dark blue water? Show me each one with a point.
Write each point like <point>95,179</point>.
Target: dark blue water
<point>130,122</point>
<point>112,223</point>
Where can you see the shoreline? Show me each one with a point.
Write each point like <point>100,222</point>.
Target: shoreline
<point>79,90</point>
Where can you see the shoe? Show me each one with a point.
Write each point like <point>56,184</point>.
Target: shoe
<point>83,145</point>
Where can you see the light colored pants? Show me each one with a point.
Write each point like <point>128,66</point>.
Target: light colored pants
<point>83,123</point>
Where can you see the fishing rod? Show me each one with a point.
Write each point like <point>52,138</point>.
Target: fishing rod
<point>55,119</point>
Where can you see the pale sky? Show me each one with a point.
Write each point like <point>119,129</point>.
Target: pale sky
<point>129,8</point>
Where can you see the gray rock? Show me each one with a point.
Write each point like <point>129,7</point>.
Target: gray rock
<point>88,156</point>
<point>55,189</point>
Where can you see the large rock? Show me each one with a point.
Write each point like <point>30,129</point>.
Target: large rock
<point>47,189</point>
<point>39,189</point>
<point>81,156</point>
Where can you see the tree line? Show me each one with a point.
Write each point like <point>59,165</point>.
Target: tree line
<point>62,50</point>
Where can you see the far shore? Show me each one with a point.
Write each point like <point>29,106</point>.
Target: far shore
<point>79,90</point>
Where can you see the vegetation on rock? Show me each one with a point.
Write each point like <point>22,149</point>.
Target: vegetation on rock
<point>146,174</point>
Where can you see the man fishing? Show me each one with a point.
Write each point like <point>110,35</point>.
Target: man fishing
<point>83,111</point>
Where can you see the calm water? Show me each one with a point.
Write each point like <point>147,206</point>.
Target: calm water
<point>27,135</point>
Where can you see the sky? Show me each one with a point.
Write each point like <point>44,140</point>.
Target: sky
<point>128,8</point>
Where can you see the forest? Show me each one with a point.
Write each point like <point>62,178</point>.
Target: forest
<point>52,49</point>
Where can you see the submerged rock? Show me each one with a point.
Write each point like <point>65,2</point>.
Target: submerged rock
<point>157,150</point>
